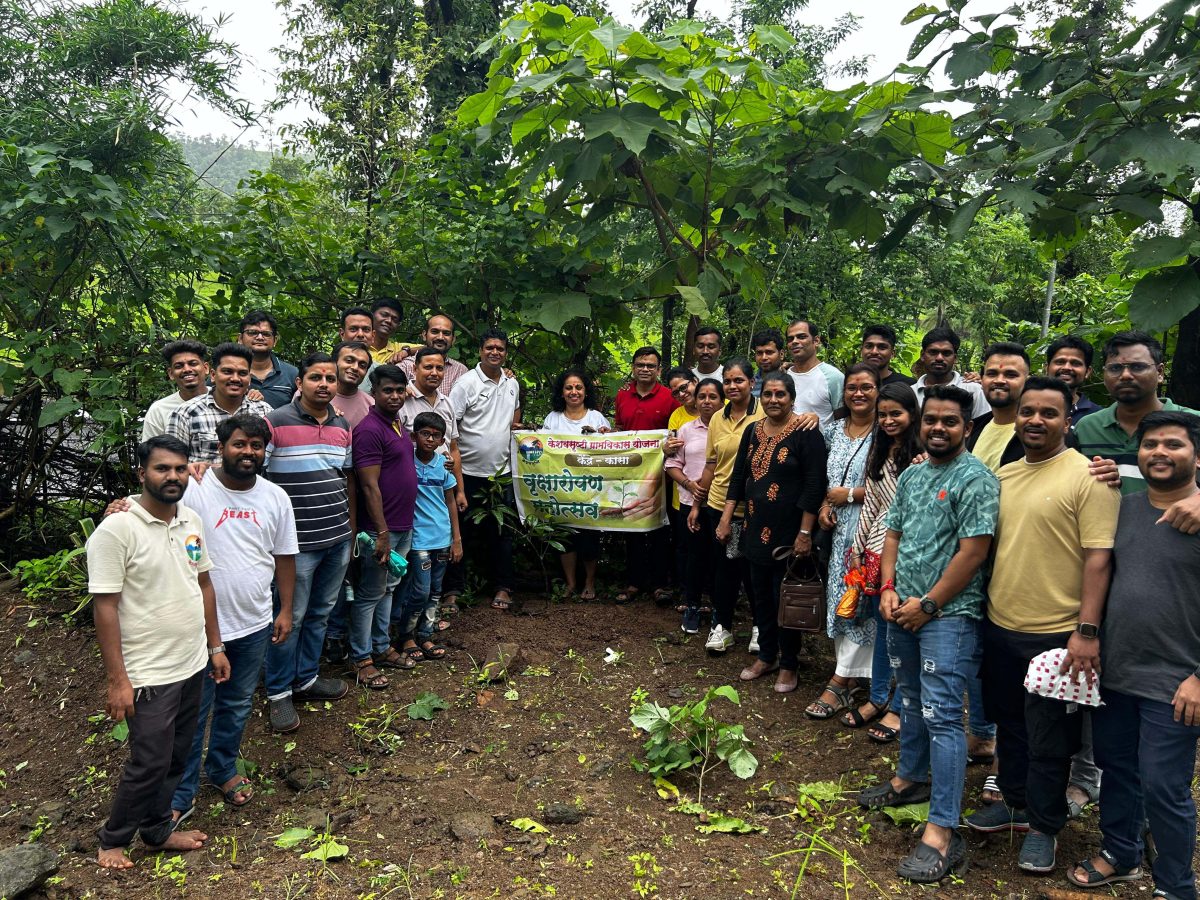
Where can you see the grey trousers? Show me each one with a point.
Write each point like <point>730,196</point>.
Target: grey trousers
<point>160,739</point>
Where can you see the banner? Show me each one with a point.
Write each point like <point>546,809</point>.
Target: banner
<point>599,482</point>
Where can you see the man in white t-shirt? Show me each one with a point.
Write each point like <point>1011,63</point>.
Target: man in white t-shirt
<point>487,406</point>
<point>156,623</point>
<point>818,384</point>
<point>939,356</point>
<point>187,369</point>
<point>706,344</point>
<point>251,532</point>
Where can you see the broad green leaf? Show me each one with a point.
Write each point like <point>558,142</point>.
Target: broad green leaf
<point>529,826</point>
<point>725,691</point>
<point>967,62</point>
<point>120,731</point>
<point>821,791</point>
<point>694,302</point>
<point>666,790</point>
<point>650,716</point>
<point>611,36</point>
<point>1022,197</point>
<point>1161,299</point>
<point>326,850</point>
<point>912,814</point>
<point>919,12</point>
<point>1165,153</point>
<point>556,310</point>
<point>858,217</point>
<point>960,222</point>
<point>293,837</point>
<point>70,380</point>
<point>722,824</point>
<point>632,124</point>
<point>742,763</point>
<point>774,36</point>
<point>58,410</point>
<point>1158,251</point>
<point>1145,209</point>
<point>426,704</point>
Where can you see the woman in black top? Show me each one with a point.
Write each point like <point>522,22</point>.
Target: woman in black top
<point>780,473</point>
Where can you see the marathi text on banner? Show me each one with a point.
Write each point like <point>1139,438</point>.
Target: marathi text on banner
<point>600,482</point>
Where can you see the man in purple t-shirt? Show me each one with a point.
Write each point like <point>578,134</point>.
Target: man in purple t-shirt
<point>387,483</point>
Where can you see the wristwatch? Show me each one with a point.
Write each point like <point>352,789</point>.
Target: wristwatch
<point>213,651</point>
<point>1088,630</point>
<point>929,607</point>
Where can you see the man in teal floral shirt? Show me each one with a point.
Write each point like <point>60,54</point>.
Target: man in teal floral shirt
<point>940,529</point>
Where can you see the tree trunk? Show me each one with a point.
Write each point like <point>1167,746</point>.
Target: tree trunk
<point>668,331</point>
<point>1049,298</point>
<point>1184,388</point>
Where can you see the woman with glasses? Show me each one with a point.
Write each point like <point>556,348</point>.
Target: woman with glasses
<point>848,438</point>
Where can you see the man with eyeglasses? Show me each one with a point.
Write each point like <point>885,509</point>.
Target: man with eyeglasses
<point>1133,370</point>
<point>939,356</point>
<point>645,403</point>
<point>273,378</point>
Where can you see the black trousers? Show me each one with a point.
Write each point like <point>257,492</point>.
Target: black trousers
<point>692,549</point>
<point>160,740</point>
<point>774,642</point>
<point>489,541</point>
<point>729,575</point>
<point>646,559</point>
<point>1035,736</point>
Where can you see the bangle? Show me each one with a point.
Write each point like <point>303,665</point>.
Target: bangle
<point>889,585</point>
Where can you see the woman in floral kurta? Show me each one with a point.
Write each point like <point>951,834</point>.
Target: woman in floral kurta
<point>849,443</point>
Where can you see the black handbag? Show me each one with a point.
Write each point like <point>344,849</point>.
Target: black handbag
<point>802,593</point>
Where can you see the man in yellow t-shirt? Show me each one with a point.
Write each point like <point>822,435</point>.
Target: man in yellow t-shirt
<point>993,439</point>
<point>1054,541</point>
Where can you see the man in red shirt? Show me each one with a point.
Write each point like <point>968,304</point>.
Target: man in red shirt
<point>642,405</point>
<point>645,403</point>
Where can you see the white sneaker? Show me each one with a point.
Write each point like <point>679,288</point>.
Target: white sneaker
<point>753,648</point>
<point>719,640</point>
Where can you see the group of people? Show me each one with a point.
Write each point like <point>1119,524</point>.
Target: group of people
<point>971,530</point>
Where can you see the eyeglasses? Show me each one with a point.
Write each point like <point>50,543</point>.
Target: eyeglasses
<point>1115,369</point>
<point>256,333</point>
<point>682,389</point>
<point>647,366</point>
<point>429,435</point>
<point>860,389</point>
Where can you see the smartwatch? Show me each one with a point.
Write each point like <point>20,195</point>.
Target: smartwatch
<point>1088,630</point>
<point>213,651</point>
<point>929,607</point>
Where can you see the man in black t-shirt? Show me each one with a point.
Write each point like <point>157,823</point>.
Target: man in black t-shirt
<point>1145,734</point>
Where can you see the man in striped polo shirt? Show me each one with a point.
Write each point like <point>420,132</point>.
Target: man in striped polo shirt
<point>310,458</point>
<point>1133,369</point>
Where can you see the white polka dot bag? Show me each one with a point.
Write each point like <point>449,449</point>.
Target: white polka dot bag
<point>1044,679</point>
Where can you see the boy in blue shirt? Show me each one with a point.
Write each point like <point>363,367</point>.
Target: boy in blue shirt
<point>435,541</point>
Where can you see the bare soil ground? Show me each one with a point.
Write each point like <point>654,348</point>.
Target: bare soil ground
<point>424,807</point>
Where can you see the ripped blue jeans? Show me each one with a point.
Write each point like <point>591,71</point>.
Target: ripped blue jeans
<point>932,667</point>
<point>419,593</point>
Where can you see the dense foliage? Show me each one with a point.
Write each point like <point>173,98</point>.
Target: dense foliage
<point>590,186</point>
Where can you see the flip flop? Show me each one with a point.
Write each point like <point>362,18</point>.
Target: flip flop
<point>239,787</point>
<point>501,604</point>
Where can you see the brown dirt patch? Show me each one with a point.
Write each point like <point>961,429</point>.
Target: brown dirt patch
<point>560,735</point>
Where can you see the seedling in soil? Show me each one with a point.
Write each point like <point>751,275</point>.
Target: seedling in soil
<point>374,728</point>
<point>685,736</point>
<point>645,870</point>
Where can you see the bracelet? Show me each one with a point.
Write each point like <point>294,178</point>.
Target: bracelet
<point>806,533</point>
<point>889,585</point>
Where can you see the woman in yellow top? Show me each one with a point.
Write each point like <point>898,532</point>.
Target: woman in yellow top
<point>725,430</point>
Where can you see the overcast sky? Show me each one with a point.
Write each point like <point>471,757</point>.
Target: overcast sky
<point>256,27</point>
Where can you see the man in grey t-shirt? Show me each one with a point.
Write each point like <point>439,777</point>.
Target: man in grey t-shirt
<point>1145,734</point>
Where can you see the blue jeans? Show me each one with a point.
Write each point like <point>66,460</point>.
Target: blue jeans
<point>372,606</point>
<point>296,662</point>
<point>422,586</point>
<point>338,616</point>
<point>230,704</point>
<point>881,666</point>
<point>932,667</point>
<point>977,720</point>
<point>1148,760</point>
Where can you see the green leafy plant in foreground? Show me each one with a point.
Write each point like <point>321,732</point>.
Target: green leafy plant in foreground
<point>323,846</point>
<point>686,736</point>
<point>60,576</point>
<point>426,704</point>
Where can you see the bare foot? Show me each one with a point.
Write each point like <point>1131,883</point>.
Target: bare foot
<point>113,858</point>
<point>183,840</point>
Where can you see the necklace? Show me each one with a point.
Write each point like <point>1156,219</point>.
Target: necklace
<point>851,435</point>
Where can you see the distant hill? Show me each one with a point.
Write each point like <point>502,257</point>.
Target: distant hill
<point>233,164</point>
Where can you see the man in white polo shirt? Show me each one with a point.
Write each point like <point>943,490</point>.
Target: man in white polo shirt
<point>156,622</point>
<point>939,356</point>
<point>487,406</point>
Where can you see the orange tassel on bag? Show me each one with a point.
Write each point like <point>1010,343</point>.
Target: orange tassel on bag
<point>856,582</point>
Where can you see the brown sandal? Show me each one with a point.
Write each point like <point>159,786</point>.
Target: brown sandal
<point>394,659</point>
<point>368,676</point>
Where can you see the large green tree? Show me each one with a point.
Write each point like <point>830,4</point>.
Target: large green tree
<point>693,137</point>
<point>1089,119</point>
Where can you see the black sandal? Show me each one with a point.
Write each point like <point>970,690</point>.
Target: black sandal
<point>882,734</point>
<point>926,866</point>
<point>844,694</point>
<point>363,675</point>
<point>883,794</point>
<point>430,650</point>
<point>1096,879</point>
<point>853,718</point>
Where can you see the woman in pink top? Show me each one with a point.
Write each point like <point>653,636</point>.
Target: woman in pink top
<point>685,469</point>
